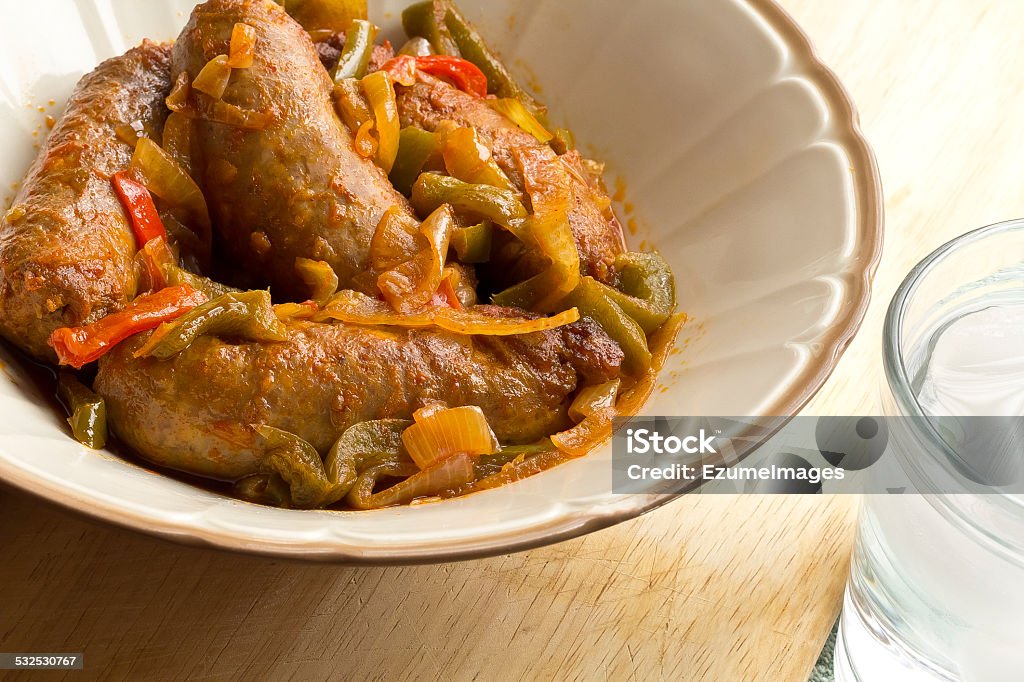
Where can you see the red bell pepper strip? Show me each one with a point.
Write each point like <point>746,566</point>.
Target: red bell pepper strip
<point>138,203</point>
<point>464,74</point>
<point>78,346</point>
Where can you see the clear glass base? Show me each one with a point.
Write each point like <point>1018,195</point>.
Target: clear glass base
<point>866,652</point>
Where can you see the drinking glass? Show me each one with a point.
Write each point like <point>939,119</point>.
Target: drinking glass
<point>937,583</point>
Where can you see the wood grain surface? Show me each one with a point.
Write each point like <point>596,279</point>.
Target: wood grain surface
<point>708,588</point>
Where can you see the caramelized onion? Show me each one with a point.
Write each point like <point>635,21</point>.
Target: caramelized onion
<point>165,178</point>
<point>214,77</point>
<point>450,474</point>
<point>351,104</point>
<point>219,111</point>
<point>366,144</point>
<point>446,433</point>
<point>594,400</point>
<point>517,112</point>
<point>548,231</point>
<point>287,312</point>
<point>243,47</point>
<point>319,277</point>
<point>177,100</point>
<point>585,436</point>
<point>353,307</point>
<point>411,285</point>
<point>469,160</point>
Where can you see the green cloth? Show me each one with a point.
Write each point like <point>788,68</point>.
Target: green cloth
<point>823,669</point>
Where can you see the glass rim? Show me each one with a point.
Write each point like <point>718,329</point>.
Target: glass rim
<point>896,373</point>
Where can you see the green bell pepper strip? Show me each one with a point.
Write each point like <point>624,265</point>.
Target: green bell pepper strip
<point>298,463</point>
<point>426,20</point>
<point>501,206</point>
<point>473,244</point>
<point>266,489</point>
<point>248,315</point>
<point>295,475</point>
<point>489,465</point>
<point>88,411</point>
<point>473,48</point>
<point>595,301</point>
<point>415,148</point>
<point>361,496</point>
<point>368,443</point>
<point>355,58</point>
<point>647,289</point>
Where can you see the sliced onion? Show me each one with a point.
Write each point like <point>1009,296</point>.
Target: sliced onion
<point>587,435</point>
<point>178,140</point>
<point>594,400</point>
<point>547,230</point>
<point>517,112</point>
<point>450,474</point>
<point>469,160</point>
<point>214,77</point>
<point>428,411</point>
<point>394,241</point>
<point>411,285</point>
<point>517,470</point>
<point>218,111</point>
<point>177,100</point>
<point>446,433</point>
<point>155,258</point>
<point>243,47</point>
<point>325,17</point>
<point>319,277</point>
<point>129,133</point>
<point>353,307</point>
<point>351,104</point>
<point>165,178</point>
<point>462,281</point>
<point>287,312</point>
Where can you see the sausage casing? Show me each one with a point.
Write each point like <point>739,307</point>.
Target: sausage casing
<point>66,247</point>
<point>197,411</point>
<point>295,188</point>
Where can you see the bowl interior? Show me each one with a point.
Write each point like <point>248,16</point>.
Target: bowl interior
<point>737,157</point>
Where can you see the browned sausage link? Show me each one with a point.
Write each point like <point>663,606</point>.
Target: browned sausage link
<point>296,188</point>
<point>66,246</point>
<point>195,412</point>
<point>598,233</point>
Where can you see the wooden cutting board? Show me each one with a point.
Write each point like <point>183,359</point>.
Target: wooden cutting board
<point>708,588</point>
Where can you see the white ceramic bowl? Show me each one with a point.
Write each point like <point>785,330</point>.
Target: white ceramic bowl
<point>739,151</point>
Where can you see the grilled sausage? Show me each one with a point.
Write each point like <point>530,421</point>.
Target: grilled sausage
<point>297,188</point>
<point>66,246</point>
<point>196,412</point>
<point>598,233</point>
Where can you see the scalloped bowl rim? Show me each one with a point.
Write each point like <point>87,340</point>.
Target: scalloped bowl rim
<point>564,520</point>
